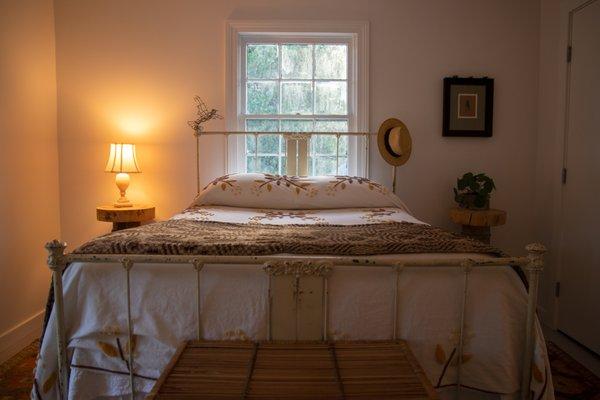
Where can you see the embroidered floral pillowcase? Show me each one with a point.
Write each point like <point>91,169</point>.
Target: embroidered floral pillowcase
<point>253,190</point>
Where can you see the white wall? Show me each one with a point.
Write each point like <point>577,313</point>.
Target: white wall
<point>128,70</point>
<point>28,167</point>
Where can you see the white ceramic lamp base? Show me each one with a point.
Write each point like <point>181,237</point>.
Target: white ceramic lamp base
<point>122,181</point>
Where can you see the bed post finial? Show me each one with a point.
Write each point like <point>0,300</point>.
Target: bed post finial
<point>56,262</point>
<point>56,253</point>
<point>535,253</point>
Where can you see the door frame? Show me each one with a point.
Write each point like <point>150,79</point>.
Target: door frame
<point>567,9</point>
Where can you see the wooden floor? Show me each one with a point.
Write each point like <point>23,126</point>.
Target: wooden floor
<point>579,353</point>
<point>341,370</point>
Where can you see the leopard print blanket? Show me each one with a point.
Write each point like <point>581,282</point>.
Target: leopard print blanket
<point>184,237</point>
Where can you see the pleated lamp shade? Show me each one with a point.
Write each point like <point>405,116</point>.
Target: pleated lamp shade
<point>122,158</point>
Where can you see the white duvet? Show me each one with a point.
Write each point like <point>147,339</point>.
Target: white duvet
<point>234,307</point>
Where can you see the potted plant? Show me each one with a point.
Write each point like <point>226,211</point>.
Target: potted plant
<point>473,191</point>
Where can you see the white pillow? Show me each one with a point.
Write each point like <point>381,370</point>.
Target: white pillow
<point>256,190</point>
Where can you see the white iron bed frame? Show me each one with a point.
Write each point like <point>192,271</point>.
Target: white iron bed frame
<point>297,268</point>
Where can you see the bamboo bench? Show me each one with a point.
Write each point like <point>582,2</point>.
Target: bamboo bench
<point>293,370</point>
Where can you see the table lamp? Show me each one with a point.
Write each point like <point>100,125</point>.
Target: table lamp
<point>122,161</point>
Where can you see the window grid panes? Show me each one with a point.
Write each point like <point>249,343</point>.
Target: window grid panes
<point>296,87</point>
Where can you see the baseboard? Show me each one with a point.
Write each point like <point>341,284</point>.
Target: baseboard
<point>16,338</point>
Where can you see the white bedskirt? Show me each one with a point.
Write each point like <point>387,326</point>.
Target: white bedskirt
<point>234,306</point>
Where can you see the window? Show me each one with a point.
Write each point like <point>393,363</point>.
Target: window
<point>300,82</point>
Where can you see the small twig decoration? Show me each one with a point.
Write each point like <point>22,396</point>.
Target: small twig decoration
<point>204,115</point>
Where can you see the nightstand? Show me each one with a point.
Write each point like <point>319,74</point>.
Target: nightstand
<point>125,217</point>
<point>477,223</point>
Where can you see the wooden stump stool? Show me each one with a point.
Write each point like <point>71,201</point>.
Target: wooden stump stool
<point>477,223</point>
<point>125,217</point>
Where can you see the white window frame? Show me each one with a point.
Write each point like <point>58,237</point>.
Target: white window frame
<point>353,33</point>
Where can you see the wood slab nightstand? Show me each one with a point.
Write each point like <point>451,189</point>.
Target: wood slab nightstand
<point>477,223</point>
<point>125,217</point>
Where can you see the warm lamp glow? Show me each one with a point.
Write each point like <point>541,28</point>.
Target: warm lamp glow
<point>122,160</point>
<point>132,124</point>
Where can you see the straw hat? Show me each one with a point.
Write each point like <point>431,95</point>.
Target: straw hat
<point>394,142</point>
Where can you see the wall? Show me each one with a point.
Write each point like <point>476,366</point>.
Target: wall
<point>28,167</point>
<point>414,47</point>
<point>128,70</point>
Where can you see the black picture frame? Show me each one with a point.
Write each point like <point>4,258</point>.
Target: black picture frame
<point>468,124</point>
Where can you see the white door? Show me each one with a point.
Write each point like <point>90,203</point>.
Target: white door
<point>579,301</point>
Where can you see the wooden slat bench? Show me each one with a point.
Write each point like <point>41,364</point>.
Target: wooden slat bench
<point>293,370</point>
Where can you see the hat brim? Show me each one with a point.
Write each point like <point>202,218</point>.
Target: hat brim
<point>402,141</point>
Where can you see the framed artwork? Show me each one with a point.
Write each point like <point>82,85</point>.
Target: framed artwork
<point>468,107</point>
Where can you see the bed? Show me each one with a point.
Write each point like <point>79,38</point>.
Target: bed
<point>269,257</point>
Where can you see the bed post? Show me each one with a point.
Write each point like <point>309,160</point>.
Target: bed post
<point>198,265</point>
<point>56,262</point>
<point>325,304</point>
<point>397,270</point>
<point>535,253</point>
<point>467,266</point>
<point>269,304</point>
<point>127,265</point>
<point>197,134</point>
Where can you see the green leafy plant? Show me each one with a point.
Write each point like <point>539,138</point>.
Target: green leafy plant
<point>473,190</point>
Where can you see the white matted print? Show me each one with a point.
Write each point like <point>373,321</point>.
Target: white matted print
<point>467,106</point>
